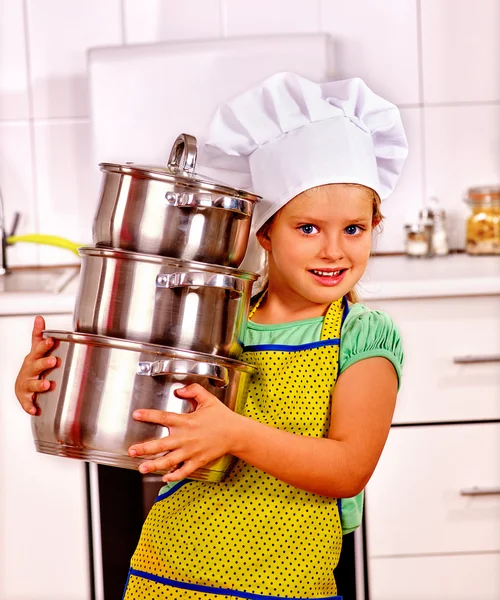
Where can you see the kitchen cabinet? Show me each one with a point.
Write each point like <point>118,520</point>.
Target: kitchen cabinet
<point>433,503</point>
<point>435,332</point>
<point>43,509</point>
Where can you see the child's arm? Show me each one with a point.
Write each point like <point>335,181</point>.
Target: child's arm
<point>338,466</point>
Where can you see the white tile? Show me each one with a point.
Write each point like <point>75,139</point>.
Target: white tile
<point>16,184</point>
<point>165,20</point>
<point>60,33</point>
<point>461,50</point>
<point>462,150</point>
<point>67,185</point>
<point>269,16</point>
<point>13,74</point>
<point>403,204</point>
<point>377,41</point>
<point>206,72</point>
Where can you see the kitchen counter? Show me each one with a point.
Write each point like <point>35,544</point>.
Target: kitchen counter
<point>387,277</point>
<point>390,277</point>
<point>39,303</point>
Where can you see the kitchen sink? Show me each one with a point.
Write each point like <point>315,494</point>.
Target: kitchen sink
<point>51,280</point>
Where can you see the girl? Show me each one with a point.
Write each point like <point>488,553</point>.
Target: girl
<point>319,409</point>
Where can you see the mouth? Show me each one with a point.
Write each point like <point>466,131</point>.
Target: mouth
<point>328,276</point>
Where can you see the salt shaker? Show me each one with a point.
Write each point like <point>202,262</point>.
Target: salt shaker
<point>440,245</point>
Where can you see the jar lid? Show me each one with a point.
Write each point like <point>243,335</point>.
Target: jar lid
<point>180,171</point>
<point>418,227</point>
<point>483,195</point>
<point>426,215</point>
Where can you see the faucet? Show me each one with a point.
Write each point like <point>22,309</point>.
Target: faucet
<point>3,236</point>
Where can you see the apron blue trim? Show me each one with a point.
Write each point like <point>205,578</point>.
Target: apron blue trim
<point>284,348</point>
<point>218,591</point>
<point>173,489</point>
<point>126,585</point>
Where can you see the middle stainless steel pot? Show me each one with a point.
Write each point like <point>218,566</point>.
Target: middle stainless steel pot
<point>171,302</point>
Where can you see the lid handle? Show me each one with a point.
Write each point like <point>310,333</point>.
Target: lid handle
<point>183,154</point>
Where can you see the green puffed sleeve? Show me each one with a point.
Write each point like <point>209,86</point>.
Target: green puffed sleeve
<point>368,333</point>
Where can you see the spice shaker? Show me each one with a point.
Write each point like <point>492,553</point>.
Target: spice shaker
<point>435,214</point>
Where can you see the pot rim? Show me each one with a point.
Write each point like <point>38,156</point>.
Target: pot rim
<point>181,178</point>
<point>165,260</point>
<point>91,339</point>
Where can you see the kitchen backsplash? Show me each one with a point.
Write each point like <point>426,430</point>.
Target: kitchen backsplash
<point>438,60</point>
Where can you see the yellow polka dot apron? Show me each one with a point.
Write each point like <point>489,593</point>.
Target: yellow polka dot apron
<point>253,536</point>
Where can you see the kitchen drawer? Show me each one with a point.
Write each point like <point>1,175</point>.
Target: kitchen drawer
<point>414,503</point>
<point>434,332</point>
<point>455,577</point>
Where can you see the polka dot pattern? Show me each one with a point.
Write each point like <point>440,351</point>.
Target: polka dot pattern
<point>252,532</point>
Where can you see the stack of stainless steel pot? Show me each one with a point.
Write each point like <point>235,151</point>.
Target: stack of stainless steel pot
<point>161,304</point>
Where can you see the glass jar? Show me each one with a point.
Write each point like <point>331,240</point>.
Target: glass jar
<point>419,240</point>
<point>483,223</point>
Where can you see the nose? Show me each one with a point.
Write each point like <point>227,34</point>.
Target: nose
<point>331,248</point>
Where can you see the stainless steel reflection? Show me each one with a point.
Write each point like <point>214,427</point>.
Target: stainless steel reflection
<point>99,382</point>
<point>171,302</point>
<point>173,212</point>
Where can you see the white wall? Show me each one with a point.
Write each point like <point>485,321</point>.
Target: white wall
<point>439,60</point>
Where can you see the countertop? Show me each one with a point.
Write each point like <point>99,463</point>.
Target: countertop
<point>387,277</point>
<point>39,303</point>
<point>458,274</point>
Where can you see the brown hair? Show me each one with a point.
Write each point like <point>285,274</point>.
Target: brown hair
<point>377,218</point>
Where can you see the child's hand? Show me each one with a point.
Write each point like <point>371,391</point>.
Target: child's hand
<point>28,382</point>
<point>194,439</point>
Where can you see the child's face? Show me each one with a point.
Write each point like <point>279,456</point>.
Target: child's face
<point>319,244</point>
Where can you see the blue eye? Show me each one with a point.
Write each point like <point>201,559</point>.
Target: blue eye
<point>352,229</point>
<point>307,229</point>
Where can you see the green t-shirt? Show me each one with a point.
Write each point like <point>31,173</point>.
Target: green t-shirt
<point>365,334</point>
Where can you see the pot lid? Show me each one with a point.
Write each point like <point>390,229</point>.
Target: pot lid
<point>180,170</point>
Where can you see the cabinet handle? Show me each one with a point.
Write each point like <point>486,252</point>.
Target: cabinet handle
<point>476,359</point>
<point>480,491</point>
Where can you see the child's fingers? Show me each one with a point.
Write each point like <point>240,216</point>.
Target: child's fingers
<point>185,470</point>
<point>26,401</point>
<point>34,386</point>
<point>38,327</point>
<point>165,463</point>
<point>40,349</point>
<point>34,368</point>
<point>152,447</point>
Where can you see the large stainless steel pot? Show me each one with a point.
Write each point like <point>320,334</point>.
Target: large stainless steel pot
<point>171,302</point>
<point>171,211</point>
<point>99,382</point>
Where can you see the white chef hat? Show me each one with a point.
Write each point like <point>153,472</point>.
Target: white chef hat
<point>292,134</point>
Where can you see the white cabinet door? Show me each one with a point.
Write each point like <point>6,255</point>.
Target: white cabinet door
<point>459,577</point>
<point>434,332</point>
<point>414,504</point>
<point>43,518</point>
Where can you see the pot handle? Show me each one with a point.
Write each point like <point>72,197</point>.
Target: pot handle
<point>203,279</point>
<point>177,366</point>
<point>183,154</point>
<point>187,200</point>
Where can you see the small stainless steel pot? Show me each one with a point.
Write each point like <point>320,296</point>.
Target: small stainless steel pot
<point>171,302</point>
<point>98,383</point>
<point>171,211</point>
